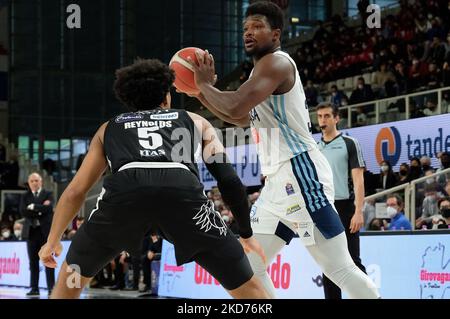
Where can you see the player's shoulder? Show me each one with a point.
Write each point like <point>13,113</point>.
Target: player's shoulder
<point>273,62</point>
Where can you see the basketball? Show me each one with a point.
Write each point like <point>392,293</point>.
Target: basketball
<point>184,73</point>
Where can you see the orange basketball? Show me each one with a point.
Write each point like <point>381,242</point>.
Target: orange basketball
<point>184,73</point>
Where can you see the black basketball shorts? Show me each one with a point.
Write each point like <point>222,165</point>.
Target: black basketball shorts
<point>171,200</point>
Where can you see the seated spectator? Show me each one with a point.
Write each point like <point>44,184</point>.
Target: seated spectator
<point>425,163</point>
<point>415,169</point>
<point>445,104</point>
<point>336,96</point>
<point>5,233</point>
<point>368,212</point>
<point>417,74</point>
<point>403,174</point>
<point>17,228</point>
<point>79,221</point>
<point>429,205</point>
<point>444,159</point>
<point>376,224</point>
<point>431,109</point>
<point>398,221</point>
<point>433,77</point>
<point>384,81</point>
<point>362,93</point>
<point>442,220</point>
<point>387,176</point>
<point>401,78</point>
<point>361,117</point>
<point>415,110</point>
<point>311,94</point>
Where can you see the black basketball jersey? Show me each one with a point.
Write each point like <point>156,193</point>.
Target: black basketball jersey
<point>152,136</point>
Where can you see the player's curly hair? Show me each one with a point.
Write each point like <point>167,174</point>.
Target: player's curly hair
<point>144,84</point>
<point>270,10</point>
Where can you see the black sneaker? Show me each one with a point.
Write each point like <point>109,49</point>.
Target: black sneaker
<point>33,292</point>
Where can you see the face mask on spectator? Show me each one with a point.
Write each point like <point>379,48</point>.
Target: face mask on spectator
<point>430,180</point>
<point>384,168</point>
<point>17,233</point>
<point>445,212</point>
<point>391,212</point>
<point>360,86</point>
<point>403,172</point>
<point>217,203</point>
<point>431,198</point>
<point>226,218</point>
<point>426,167</point>
<point>6,234</point>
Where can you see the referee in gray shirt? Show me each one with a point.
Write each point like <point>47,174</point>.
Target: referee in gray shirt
<point>347,163</point>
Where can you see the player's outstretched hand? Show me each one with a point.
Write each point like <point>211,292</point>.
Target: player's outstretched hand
<point>251,244</point>
<point>48,253</point>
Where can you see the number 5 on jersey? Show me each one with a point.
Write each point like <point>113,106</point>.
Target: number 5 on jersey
<point>148,139</point>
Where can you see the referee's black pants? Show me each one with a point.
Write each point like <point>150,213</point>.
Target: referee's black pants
<point>346,209</point>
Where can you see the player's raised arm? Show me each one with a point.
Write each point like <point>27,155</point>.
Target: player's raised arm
<point>270,73</point>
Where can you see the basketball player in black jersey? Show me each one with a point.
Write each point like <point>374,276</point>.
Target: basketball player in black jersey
<point>154,183</point>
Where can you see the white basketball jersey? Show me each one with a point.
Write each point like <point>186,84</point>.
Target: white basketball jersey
<point>281,126</point>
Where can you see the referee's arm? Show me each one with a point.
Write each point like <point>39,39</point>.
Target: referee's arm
<point>358,187</point>
<point>356,162</point>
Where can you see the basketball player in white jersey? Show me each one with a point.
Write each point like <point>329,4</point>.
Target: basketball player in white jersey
<point>298,193</point>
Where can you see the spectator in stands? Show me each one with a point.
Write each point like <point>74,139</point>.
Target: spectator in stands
<point>37,208</point>
<point>445,104</point>
<point>417,74</point>
<point>433,78</point>
<point>362,93</point>
<point>429,205</point>
<point>431,108</point>
<point>6,233</point>
<point>442,220</point>
<point>361,117</point>
<point>311,94</point>
<point>415,110</point>
<point>398,221</point>
<point>415,169</point>
<point>435,52</point>
<point>376,224</point>
<point>370,182</point>
<point>401,78</point>
<point>368,212</point>
<point>425,163</point>
<point>384,81</point>
<point>79,221</point>
<point>403,174</point>
<point>49,166</point>
<point>336,96</point>
<point>153,253</point>
<point>17,228</point>
<point>387,176</point>
<point>444,159</point>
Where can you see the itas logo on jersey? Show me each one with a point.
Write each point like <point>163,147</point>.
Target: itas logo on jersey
<point>164,117</point>
<point>128,117</point>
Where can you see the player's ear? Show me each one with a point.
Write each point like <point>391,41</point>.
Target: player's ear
<point>276,35</point>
